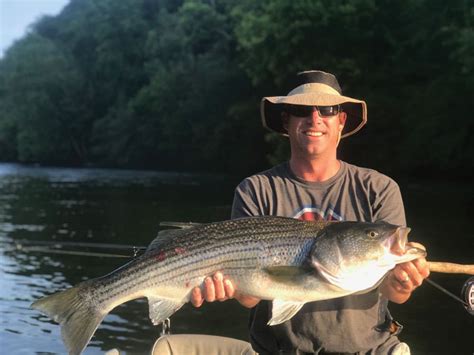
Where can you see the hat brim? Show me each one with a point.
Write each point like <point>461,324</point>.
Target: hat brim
<point>272,107</point>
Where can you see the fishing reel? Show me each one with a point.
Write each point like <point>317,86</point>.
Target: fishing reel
<point>468,295</point>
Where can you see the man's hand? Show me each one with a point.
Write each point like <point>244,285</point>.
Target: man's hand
<point>220,289</point>
<point>405,278</point>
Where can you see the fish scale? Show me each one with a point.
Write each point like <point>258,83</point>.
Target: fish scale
<point>274,258</point>
<point>277,236</point>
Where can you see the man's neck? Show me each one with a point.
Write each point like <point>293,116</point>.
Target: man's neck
<point>315,170</point>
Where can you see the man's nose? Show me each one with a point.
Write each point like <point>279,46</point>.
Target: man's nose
<point>315,116</point>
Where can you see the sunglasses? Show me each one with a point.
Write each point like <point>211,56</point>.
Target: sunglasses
<point>305,111</point>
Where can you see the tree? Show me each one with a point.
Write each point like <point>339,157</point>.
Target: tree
<point>175,84</point>
<point>40,88</point>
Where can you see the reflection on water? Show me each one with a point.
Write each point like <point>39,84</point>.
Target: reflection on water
<point>100,206</point>
<point>125,207</point>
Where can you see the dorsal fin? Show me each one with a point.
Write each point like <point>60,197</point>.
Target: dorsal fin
<point>163,237</point>
<point>182,225</point>
<point>167,234</point>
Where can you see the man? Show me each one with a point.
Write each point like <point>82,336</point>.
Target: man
<point>314,184</point>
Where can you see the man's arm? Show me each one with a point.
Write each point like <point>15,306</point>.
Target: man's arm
<point>219,288</point>
<point>405,278</point>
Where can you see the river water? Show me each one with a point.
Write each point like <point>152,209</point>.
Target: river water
<point>122,207</point>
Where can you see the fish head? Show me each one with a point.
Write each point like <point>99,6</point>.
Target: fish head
<point>356,255</point>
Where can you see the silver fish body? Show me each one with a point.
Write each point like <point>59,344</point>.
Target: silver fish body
<point>285,260</point>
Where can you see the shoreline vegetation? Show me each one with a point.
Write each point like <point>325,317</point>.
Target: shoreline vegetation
<point>176,84</point>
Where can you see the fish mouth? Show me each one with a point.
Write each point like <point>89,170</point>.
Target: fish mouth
<point>397,242</point>
<point>397,245</point>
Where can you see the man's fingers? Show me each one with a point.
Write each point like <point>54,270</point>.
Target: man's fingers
<point>196,297</point>
<point>219,286</point>
<point>413,274</point>
<point>209,290</point>
<point>214,288</point>
<point>229,288</point>
<point>421,263</point>
<point>400,274</point>
<point>402,279</point>
<point>422,267</point>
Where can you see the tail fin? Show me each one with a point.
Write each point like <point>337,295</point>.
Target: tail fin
<point>77,315</point>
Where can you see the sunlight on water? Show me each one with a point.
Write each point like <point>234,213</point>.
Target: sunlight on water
<point>63,176</point>
<point>19,287</point>
<point>57,206</point>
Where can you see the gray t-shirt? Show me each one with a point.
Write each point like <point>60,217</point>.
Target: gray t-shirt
<point>355,323</point>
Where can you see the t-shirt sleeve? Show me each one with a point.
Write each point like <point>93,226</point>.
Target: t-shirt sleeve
<point>245,201</point>
<point>388,204</point>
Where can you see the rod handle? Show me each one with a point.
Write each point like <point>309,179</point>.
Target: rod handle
<point>451,268</point>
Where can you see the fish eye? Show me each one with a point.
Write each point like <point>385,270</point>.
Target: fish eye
<point>372,234</point>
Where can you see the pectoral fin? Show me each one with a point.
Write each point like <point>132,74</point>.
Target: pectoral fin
<point>287,274</point>
<point>160,308</point>
<point>283,310</point>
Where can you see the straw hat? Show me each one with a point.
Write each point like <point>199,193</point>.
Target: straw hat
<point>314,88</point>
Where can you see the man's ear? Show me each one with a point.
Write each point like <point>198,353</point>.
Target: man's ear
<point>342,120</point>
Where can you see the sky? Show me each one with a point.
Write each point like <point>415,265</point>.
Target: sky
<point>17,15</point>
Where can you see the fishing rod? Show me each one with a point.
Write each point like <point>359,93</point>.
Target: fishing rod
<point>54,247</point>
<point>467,291</point>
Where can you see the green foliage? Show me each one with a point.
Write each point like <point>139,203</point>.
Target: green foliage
<point>176,84</point>
<point>180,117</point>
<point>38,100</point>
<point>411,61</point>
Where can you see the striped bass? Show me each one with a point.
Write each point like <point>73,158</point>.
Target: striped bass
<point>285,260</point>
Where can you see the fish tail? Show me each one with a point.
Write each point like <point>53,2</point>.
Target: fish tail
<point>77,315</point>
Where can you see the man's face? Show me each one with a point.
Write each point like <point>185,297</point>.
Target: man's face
<point>314,135</point>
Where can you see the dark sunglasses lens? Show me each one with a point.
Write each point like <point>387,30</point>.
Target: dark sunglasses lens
<point>300,110</point>
<point>327,111</point>
<point>305,111</point>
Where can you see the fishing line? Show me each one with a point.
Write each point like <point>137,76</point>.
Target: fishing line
<point>73,252</point>
<point>61,244</point>
<point>450,294</point>
<point>53,247</point>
